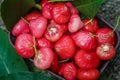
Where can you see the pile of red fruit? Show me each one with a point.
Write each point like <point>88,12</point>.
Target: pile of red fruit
<point>57,39</point>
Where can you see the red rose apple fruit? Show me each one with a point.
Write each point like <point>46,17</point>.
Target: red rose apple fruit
<point>73,10</point>
<point>65,47</point>
<point>54,32</point>
<point>69,71</point>
<point>60,13</point>
<point>20,27</point>
<point>43,42</point>
<point>24,45</point>
<point>75,23</point>
<point>105,35</point>
<point>33,15</point>
<point>46,10</point>
<point>90,25</point>
<point>85,40</point>
<point>105,51</point>
<point>86,59</point>
<point>55,64</point>
<point>88,74</point>
<point>44,58</point>
<point>38,26</point>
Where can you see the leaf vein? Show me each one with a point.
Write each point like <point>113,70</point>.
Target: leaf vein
<point>5,65</point>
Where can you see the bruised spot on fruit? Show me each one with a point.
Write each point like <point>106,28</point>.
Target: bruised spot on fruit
<point>52,30</point>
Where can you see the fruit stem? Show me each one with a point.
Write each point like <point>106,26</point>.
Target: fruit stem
<point>59,0</point>
<point>25,20</point>
<point>117,23</point>
<point>90,21</point>
<point>35,49</point>
<point>38,6</point>
<point>97,36</point>
<point>65,60</point>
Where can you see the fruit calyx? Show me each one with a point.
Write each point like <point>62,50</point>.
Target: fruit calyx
<point>52,30</point>
<point>105,48</point>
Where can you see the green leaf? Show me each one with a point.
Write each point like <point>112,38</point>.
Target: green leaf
<point>12,10</point>
<point>28,76</point>
<point>88,8</point>
<point>10,61</point>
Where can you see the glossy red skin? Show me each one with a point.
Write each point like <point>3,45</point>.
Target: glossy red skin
<point>20,27</point>
<point>104,54</point>
<point>88,74</point>
<point>33,15</point>
<point>43,2</point>
<point>24,45</point>
<point>85,40</point>
<point>54,32</point>
<point>60,13</point>
<point>55,64</point>
<point>91,26</point>
<point>43,42</point>
<point>75,23</point>
<point>46,10</point>
<point>44,58</point>
<point>86,59</point>
<point>64,26</point>
<point>105,37</point>
<point>68,71</point>
<point>73,10</point>
<point>65,47</point>
<point>61,69</point>
<point>38,26</point>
